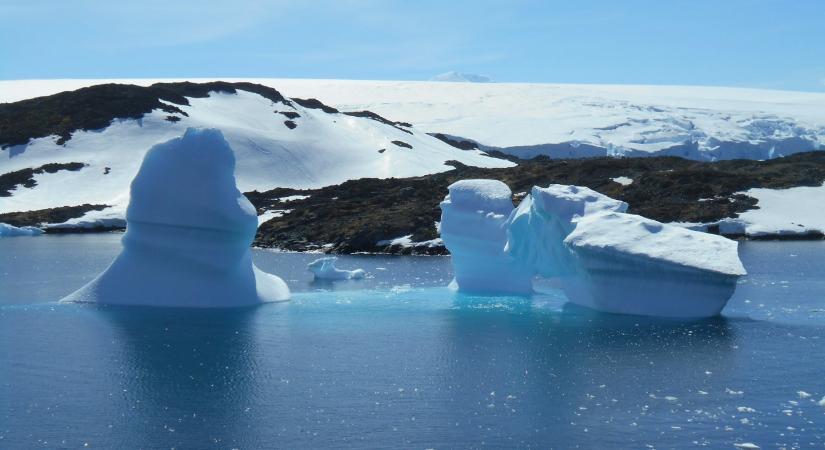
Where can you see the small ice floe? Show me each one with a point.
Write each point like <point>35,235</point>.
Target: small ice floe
<point>324,269</point>
<point>803,394</point>
<point>747,446</point>
<point>733,392</point>
<point>7,230</point>
<point>821,402</point>
<point>745,409</point>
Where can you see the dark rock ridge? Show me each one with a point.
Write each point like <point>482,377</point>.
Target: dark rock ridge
<point>25,177</point>
<point>376,117</point>
<point>354,216</point>
<point>402,144</point>
<point>51,215</point>
<point>462,144</point>
<point>95,107</point>
<point>313,103</point>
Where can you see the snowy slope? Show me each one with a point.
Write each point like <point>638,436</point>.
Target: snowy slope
<point>567,120</point>
<point>792,211</point>
<point>322,149</point>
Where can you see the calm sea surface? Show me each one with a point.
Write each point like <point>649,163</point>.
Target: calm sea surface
<point>398,360</point>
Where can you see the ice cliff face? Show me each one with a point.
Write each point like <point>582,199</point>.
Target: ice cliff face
<point>188,234</point>
<point>536,230</point>
<point>472,227</point>
<point>600,256</point>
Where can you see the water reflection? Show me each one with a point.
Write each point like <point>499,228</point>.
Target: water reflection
<point>188,375</point>
<point>575,375</point>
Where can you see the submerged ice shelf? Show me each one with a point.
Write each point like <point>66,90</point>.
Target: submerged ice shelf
<point>585,243</point>
<point>189,232</point>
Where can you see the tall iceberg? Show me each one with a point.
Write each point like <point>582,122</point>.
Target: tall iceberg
<point>188,236</point>
<point>473,218</point>
<point>584,241</point>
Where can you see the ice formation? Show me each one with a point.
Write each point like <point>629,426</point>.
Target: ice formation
<point>324,269</point>
<point>7,230</point>
<point>189,231</point>
<point>584,241</point>
<point>473,216</point>
<point>633,265</point>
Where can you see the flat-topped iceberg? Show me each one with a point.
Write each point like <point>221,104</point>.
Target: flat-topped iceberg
<point>585,243</point>
<point>633,265</point>
<point>188,236</point>
<point>324,269</point>
<point>473,217</point>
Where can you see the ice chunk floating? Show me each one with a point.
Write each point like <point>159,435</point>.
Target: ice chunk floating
<point>324,269</point>
<point>586,244</point>
<point>7,230</point>
<point>188,234</point>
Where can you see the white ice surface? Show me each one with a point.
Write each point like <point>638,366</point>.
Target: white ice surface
<point>324,269</point>
<point>188,236</point>
<point>636,236</point>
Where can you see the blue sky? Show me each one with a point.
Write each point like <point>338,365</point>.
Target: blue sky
<point>756,43</point>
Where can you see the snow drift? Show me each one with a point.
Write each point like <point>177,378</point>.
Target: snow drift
<point>324,269</point>
<point>586,244</point>
<point>188,235</point>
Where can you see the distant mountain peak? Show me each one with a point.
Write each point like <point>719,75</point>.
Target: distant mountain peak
<point>462,77</point>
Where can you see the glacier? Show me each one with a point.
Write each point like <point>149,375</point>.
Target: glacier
<point>324,269</point>
<point>586,244</point>
<point>188,235</point>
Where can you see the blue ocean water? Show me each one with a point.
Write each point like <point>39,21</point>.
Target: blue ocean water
<point>398,360</point>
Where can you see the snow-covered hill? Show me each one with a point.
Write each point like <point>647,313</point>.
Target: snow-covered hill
<point>705,123</point>
<point>460,77</point>
<point>276,144</point>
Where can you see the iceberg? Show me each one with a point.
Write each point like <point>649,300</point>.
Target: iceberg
<point>537,228</point>
<point>586,244</point>
<point>633,265</point>
<point>324,269</point>
<point>473,218</point>
<point>188,235</point>
<point>7,230</point>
